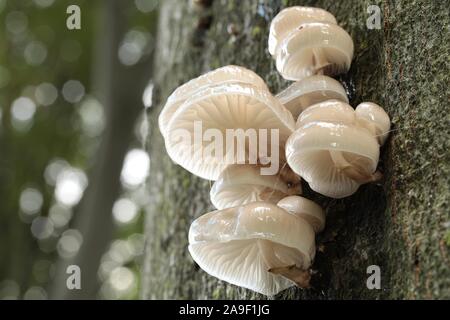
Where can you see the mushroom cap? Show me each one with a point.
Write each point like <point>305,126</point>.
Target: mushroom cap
<point>307,92</point>
<point>239,245</point>
<point>333,111</point>
<point>321,151</point>
<point>223,75</point>
<point>241,184</point>
<point>374,118</point>
<point>290,18</point>
<point>221,108</point>
<point>306,209</point>
<point>314,48</point>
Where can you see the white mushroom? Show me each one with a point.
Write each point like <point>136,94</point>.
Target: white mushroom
<point>225,75</point>
<point>290,18</point>
<point>334,111</point>
<point>304,93</point>
<point>374,118</point>
<point>259,246</point>
<point>313,45</point>
<point>335,149</point>
<point>241,184</point>
<point>208,130</point>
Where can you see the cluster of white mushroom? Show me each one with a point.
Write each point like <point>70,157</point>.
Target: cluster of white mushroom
<point>262,236</point>
<point>334,148</point>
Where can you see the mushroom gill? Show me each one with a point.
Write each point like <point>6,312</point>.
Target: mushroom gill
<point>259,246</point>
<point>203,135</point>
<point>225,75</point>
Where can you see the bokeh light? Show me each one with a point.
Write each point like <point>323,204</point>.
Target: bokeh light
<point>122,279</point>
<point>60,215</point>
<point>92,116</point>
<point>53,169</point>
<point>146,6</point>
<point>70,185</point>
<point>22,112</point>
<point>73,91</point>
<point>42,227</point>
<point>43,3</point>
<point>136,244</point>
<point>135,168</point>
<point>46,94</point>
<point>69,243</point>
<point>35,53</point>
<point>135,44</point>
<point>124,211</point>
<point>16,22</point>
<point>30,201</point>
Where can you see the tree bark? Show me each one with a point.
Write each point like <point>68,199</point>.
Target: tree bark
<point>400,224</point>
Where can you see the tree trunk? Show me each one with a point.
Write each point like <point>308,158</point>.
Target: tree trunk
<point>119,88</point>
<point>400,224</point>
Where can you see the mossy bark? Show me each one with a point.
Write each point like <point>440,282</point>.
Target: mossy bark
<point>401,224</point>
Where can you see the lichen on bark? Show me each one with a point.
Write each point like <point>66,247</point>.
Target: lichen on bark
<point>401,223</point>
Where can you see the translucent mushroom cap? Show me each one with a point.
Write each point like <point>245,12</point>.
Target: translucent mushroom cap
<point>206,132</point>
<point>333,111</point>
<point>304,93</point>
<point>241,184</point>
<point>224,75</point>
<point>290,18</point>
<point>306,209</point>
<point>375,118</point>
<point>333,150</point>
<point>314,48</point>
<point>242,245</point>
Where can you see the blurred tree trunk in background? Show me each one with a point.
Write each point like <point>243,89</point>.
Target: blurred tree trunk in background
<point>119,88</point>
<point>400,224</point>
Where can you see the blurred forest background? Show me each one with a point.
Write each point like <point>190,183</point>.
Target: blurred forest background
<point>73,163</point>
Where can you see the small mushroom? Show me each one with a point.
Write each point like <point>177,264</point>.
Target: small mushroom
<point>241,184</point>
<point>259,246</point>
<point>203,131</point>
<point>375,119</point>
<point>336,149</point>
<point>307,41</point>
<point>304,93</point>
<point>290,18</point>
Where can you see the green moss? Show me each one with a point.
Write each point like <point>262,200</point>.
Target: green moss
<point>447,238</point>
<point>256,32</point>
